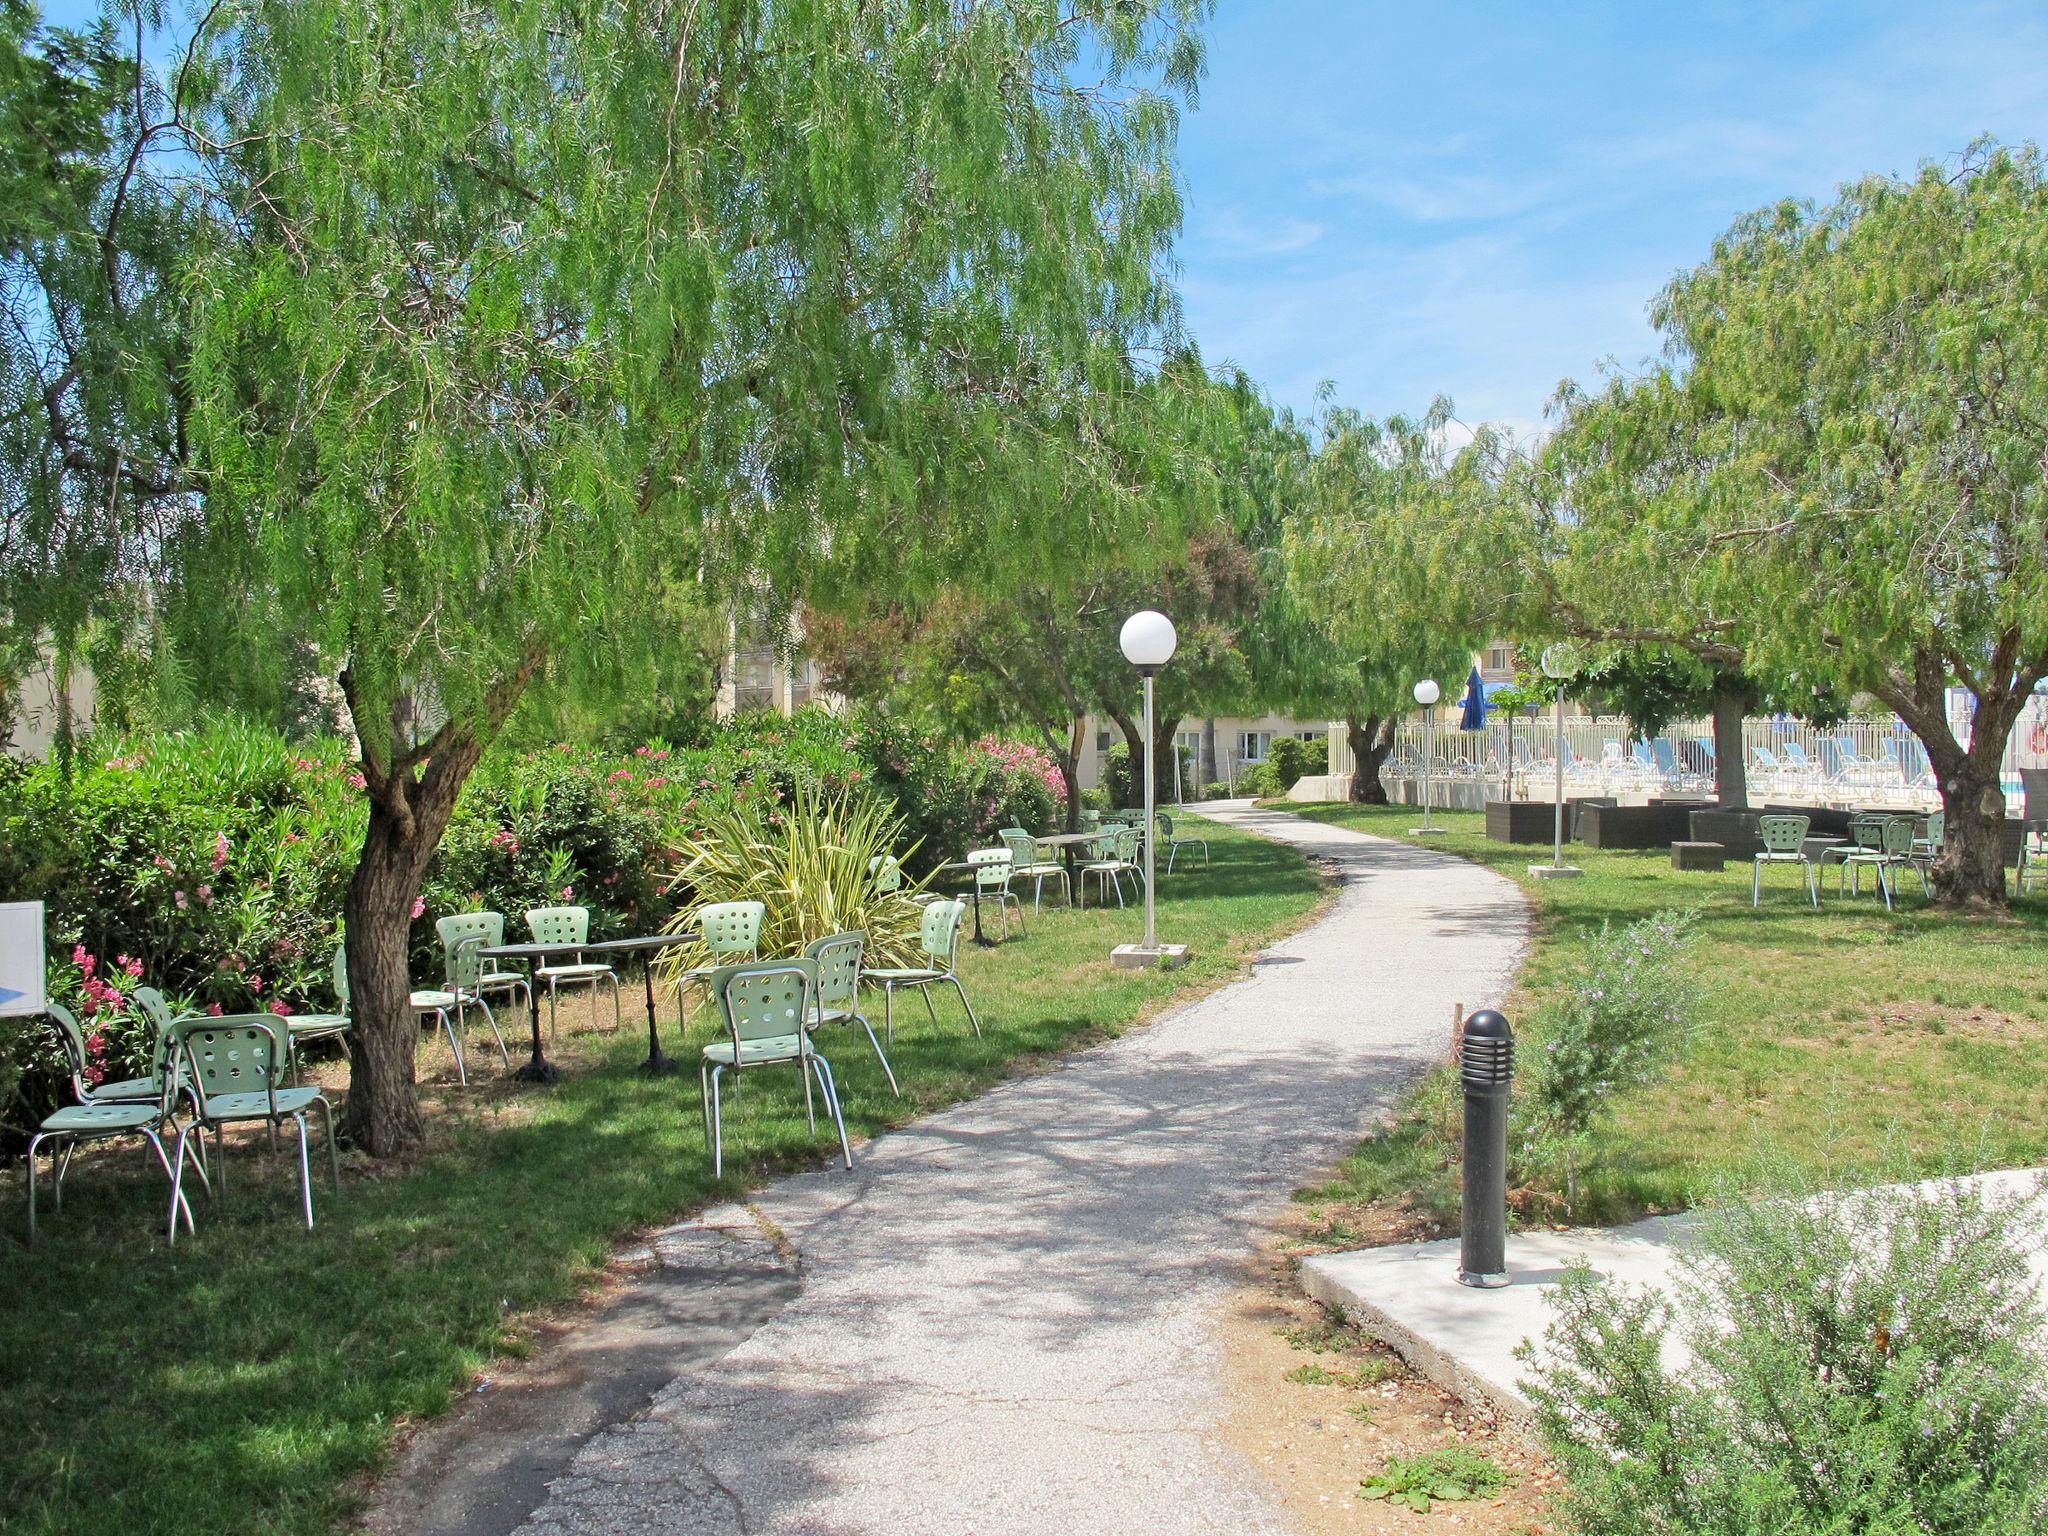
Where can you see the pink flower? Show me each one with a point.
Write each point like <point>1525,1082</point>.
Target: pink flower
<point>567,892</point>
<point>215,1009</point>
<point>132,967</point>
<point>205,894</point>
<point>419,907</point>
<point>81,959</point>
<point>163,863</point>
<point>357,781</point>
<point>179,898</point>
<point>220,851</point>
<point>618,773</point>
<point>654,781</point>
<point>292,837</point>
<point>277,1007</point>
<point>255,983</point>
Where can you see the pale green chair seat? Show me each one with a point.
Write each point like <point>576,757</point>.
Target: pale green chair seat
<point>232,1065</point>
<point>940,939</point>
<point>305,1027</point>
<point>767,1005</point>
<point>68,1128</point>
<point>753,1053</point>
<point>838,958</point>
<point>1883,844</point>
<point>568,925</point>
<point>131,1090</point>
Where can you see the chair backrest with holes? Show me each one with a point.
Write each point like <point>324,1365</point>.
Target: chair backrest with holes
<point>1782,834</point>
<point>154,1009</point>
<point>1867,832</point>
<point>1022,845</point>
<point>1127,846</point>
<point>341,978</point>
<point>838,956</point>
<point>235,1053</point>
<point>1937,827</point>
<point>559,925</point>
<point>766,999</point>
<point>940,932</point>
<point>732,929</point>
<point>464,935</point>
<point>887,871</point>
<point>991,868</point>
<point>1898,836</point>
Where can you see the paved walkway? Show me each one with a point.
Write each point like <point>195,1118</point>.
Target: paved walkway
<point>1005,1316</point>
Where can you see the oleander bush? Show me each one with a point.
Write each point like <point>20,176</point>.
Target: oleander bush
<point>211,863</point>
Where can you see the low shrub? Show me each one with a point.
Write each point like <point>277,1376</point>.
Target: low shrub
<point>1615,1029</point>
<point>1842,1362</point>
<point>1260,781</point>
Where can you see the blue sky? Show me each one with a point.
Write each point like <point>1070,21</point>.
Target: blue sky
<point>1479,199</point>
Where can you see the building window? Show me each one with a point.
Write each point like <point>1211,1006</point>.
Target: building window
<point>1252,745</point>
<point>1500,657</point>
<point>1102,741</point>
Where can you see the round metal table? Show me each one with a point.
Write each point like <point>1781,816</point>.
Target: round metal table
<point>538,1068</point>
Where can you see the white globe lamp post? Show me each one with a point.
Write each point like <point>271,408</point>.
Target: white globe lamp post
<point>1426,694</point>
<point>1559,662</point>
<point>1148,642</point>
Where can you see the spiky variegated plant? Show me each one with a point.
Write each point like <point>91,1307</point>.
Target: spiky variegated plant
<point>809,861</point>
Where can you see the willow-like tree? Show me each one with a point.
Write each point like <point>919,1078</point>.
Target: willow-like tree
<point>1369,605</point>
<point>1840,472</point>
<point>510,318</point>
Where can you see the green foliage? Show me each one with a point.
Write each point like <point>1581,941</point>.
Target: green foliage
<point>1859,1361</point>
<point>1260,780</point>
<point>807,860</point>
<point>1449,1474</point>
<point>1614,1029</point>
<point>1291,758</point>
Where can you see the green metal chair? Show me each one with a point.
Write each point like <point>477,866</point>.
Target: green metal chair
<point>1175,842</point>
<point>307,1027</point>
<point>730,932</point>
<point>1112,856</point>
<point>488,930</point>
<point>888,872</point>
<point>232,1064</point>
<point>135,1090</point>
<point>1883,844</point>
<point>768,1006</point>
<point>838,956</point>
<point>991,869</point>
<point>940,937</point>
<point>1027,863</point>
<point>1784,840</point>
<point>463,966</point>
<point>568,925</point>
<point>95,1119</point>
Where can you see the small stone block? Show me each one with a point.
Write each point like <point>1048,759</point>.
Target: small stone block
<point>1136,957</point>
<point>1698,855</point>
<point>1554,871</point>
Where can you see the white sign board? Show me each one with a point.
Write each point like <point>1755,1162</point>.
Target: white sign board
<point>21,957</point>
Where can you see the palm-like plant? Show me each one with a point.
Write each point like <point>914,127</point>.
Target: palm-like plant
<point>808,862</point>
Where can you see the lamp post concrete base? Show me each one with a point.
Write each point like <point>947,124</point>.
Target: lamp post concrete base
<point>1426,831</point>
<point>1138,957</point>
<point>1554,871</point>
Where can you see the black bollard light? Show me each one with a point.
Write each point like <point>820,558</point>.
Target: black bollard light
<point>1486,1064</point>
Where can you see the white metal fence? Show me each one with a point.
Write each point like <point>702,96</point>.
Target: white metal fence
<point>1859,761</point>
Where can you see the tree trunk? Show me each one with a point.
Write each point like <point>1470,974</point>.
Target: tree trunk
<point>383,1112</point>
<point>1070,771</point>
<point>1370,740</point>
<point>1134,743</point>
<point>1970,870</point>
<point>1731,777</point>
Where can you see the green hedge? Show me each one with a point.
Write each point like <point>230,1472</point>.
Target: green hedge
<point>212,864</point>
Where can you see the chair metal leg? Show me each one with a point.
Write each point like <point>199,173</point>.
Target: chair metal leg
<point>1813,885</point>
<point>305,1172</point>
<point>887,1071</point>
<point>333,1151</point>
<point>717,1129</point>
<point>924,991</point>
<point>554,1025</point>
<point>810,1111</point>
<point>60,1165</point>
<point>967,1005</point>
<point>1756,881</point>
<point>164,1162</point>
<point>497,1034</point>
<point>34,1142</point>
<point>448,1029</point>
<point>889,1014</point>
<point>617,1017</point>
<point>824,1071</point>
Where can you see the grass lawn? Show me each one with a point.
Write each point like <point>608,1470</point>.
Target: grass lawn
<point>1846,1039</point>
<point>238,1381</point>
